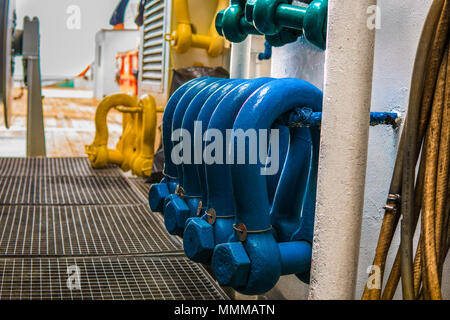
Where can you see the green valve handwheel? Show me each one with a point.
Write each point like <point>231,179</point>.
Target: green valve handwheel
<point>283,37</point>
<point>279,20</point>
<point>264,15</point>
<point>315,23</point>
<point>231,23</point>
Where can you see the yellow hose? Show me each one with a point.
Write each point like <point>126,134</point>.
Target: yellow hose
<point>429,98</point>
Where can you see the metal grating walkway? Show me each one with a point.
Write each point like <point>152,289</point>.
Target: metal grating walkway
<point>57,214</point>
<point>106,278</point>
<point>141,185</point>
<point>53,167</point>
<point>82,230</point>
<point>65,190</point>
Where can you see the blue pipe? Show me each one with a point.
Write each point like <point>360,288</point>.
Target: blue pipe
<point>159,191</point>
<point>286,212</point>
<point>191,183</point>
<point>180,110</point>
<point>204,117</point>
<point>305,117</point>
<point>267,54</point>
<point>273,179</point>
<point>177,209</point>
<point>200,237</point>
<point>295,257</point>
<point>255,265</point>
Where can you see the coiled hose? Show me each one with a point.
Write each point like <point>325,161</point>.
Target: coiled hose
<point>424,196</point>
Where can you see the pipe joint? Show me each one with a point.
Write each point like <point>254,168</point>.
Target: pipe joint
<point>278,20</point>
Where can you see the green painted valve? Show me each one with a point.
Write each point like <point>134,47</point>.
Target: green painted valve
<point>278,20</point>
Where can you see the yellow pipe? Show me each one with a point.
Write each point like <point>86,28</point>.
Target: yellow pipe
<point>142,165</point>
<point>217,42</point>
<point>98,152</point>
<point>182,39</point>
<point>135,149</point>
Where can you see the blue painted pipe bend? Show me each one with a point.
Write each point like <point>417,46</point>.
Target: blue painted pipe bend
<point>200,237</point>
<point>255,265</point>
<point>191,183</point>
<point>179,112</point>
<point>204,118</point>
<point>289,198</point>
<point>159,191</point>
<point>273,179</point>
<point>178,210</point>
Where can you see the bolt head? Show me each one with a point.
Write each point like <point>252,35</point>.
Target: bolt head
<point>231,264</point>
<point>198,240</point>
<point>175,214</point>
<point>156,195</point>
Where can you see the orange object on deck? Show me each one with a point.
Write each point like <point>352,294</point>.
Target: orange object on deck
<point>128,62</point>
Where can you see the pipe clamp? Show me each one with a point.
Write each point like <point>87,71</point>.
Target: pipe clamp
<point>200,208</point>
<point>212,216</point>
<point>242,231</point>
<point>392,203</point>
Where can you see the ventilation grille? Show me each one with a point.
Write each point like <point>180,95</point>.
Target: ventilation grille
<point>154,47</point>
<point>82,230</point>
<point>111,278</point>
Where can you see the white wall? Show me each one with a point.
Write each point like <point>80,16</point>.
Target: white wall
<point>108,44</point>
<point>395,49</point>
<point>66,52</point>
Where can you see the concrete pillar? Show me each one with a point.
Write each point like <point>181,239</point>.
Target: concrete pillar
<point>343,152</point>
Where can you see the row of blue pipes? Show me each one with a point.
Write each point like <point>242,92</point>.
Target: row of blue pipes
<point>250,228</point>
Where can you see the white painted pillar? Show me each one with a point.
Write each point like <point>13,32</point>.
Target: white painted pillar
<point>343,151</point>
<point>240,59</point>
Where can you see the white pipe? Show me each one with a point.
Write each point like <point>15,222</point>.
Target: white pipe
<point>343,150</point>
<point>240,59</point>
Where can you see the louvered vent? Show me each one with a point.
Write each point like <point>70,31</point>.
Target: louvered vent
<point>154,53</point>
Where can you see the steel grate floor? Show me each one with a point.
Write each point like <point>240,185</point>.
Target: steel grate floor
<point>53,167</point>
<point>106,279</point>
<point>57,214</point>
<point>82,230</point>
<point>141,185</point>
<point>65,190</point>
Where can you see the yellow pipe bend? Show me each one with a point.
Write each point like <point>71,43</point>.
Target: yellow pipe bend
<point>183,39</point>
<point>127,143</point>
<point>142,164</point>
<point>98,153</point>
